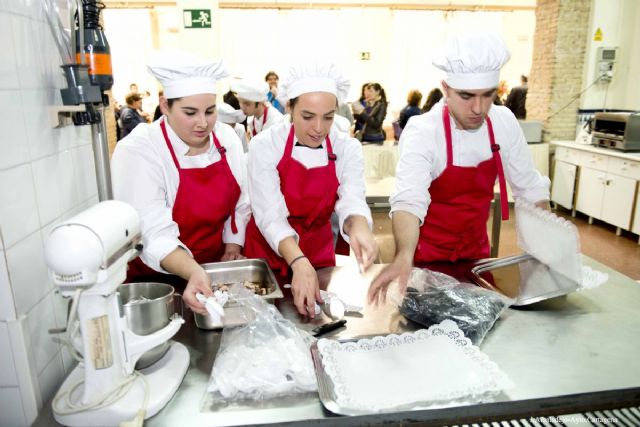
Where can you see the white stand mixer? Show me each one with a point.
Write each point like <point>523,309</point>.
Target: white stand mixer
<point>87,257</point>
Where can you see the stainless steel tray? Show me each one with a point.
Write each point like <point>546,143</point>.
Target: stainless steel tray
<point>252,270</point>
<point>523,278</point>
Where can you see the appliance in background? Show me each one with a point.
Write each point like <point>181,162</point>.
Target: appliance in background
<point>532,130</point>
<point>605,59</point>
<point>86,63</point>
<point>620,131</point>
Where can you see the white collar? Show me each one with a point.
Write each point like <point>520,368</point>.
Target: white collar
<point>179,146</point>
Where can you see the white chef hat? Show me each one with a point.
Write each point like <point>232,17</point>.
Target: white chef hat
<point>183,74</point>
<point>473,60</point>
<point>314,77</point>
<point>228,114</point>
<point>255,91</point>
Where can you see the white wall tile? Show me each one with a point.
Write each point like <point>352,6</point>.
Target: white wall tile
<point>28,273</point>
<point>44,140</point>
<point>55,189</point>
<point>32,68</point>
<point>85,172</point>
<point>18,210</point>
<point>8,67</point>
<point>7,305</point>
<point>78,135</point>
<point>14,143</point>
<point>40,319</point>
<point>11,407</point>
<point>8,376</point>
<point>25,363</point>
<point>51,378</point>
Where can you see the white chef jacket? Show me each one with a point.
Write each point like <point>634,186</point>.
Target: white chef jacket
<point>254,122</point>
<point>144,175</point>
<point>423,157</point>
<point>267,202</point>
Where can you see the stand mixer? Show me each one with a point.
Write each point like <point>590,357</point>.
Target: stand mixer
<point>87,257</point>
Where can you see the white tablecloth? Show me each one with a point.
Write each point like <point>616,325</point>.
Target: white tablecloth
<point>380,160</point>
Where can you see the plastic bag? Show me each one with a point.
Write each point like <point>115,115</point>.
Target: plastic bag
<point>432,297</point>
<point>265,358</point>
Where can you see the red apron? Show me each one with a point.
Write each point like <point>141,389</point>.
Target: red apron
<point>264,121</point>
<point>456,224</point>
<point>310,195</point>
<point>206,197</point>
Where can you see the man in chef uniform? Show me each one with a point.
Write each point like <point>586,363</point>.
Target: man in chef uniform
<point>185,174</point>
<point>253,101</point>
<point>300,172</point>
<point>449,160</point>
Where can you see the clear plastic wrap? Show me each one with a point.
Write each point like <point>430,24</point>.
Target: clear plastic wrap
<point>264,358</point>
<point>433,297</point>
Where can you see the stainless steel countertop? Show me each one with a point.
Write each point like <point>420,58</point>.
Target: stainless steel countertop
<point>565,355</point>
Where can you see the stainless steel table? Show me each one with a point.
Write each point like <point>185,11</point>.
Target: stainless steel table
<point>566,355</point>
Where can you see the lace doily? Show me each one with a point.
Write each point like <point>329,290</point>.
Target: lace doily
<point>429,368</point>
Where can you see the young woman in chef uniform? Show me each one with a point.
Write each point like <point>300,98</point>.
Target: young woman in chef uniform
<point>185,175</point>
<point>299,173</point>
<point>450,159</point>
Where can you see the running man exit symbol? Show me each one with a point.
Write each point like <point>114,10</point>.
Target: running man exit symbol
<point>197,18</point>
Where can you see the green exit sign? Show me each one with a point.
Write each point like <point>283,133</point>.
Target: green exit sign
<point>197,18</point>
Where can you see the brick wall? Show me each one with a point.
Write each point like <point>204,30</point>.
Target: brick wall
<point>559,53</point>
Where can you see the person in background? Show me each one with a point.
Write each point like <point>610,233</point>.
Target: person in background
<point>234,118</point>
<point>185,174</point>
<point>158,112</point>
<point>449,160</point>
<point>133,88</point>
<point>358,106</point>
<point>501,93</point>
<point>411,109</point>
<point>272,96</point>
<point>372,116</point>
<point>517,99</point>
<point>253,103</point>
<point>434,96</point>
<point>231,99</point>
<point>129,115</point>
<point>300,171</point>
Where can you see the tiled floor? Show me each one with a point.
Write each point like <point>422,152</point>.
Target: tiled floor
<point>598,241</point>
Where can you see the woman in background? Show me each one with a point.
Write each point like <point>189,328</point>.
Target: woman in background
<point>432,99</point>
<point>373,115</point>
<point>411,109</point>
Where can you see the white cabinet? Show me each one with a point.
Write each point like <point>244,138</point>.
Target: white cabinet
<point>635,225</point>
<point>564,180</point>
<point>606,196</point>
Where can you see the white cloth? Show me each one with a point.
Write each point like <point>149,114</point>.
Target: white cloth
<point>183,74</point>
<point>473,60</point>
<point>229,115</point>
<point>314,77</point>
<point>255,122</point>
<point>250,90</point>
<point>144,175</point>
<point>268,204</point>
<point>242,134</point>
<point>423,157</point>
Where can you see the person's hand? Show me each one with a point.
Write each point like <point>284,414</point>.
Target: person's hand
<point>232,251</point>
<point>363,243</point>
<point>274,91</point>
<point>399,269</point>
<point>199,281</point>
<point>357,107</point>
<point>305,287</point>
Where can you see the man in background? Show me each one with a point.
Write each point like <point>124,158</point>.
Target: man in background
<point>516,101</point>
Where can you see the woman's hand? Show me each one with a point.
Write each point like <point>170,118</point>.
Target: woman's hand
<point>399,269</point>
<point>232,251</point>
<point>199,281</point>
<point>362,241</point>
<point>305,287</point>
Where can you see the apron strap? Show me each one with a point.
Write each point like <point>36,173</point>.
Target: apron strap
<point>447,133</point>
<point>264,120</point>
<point>223,158</point>
<point>495,149</point>
<point>168,141</point>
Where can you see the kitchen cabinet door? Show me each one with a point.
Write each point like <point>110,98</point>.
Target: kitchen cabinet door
<point>564,180</point>
<point>591,192</point>
<point>635,225</point>
<point>617,204</point>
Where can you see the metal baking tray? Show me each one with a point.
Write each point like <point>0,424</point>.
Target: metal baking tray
<point>327,394</point>
<point>252,270</point>
<point>523,278</point>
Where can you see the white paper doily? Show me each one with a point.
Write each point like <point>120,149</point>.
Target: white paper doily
<point>434,367</point>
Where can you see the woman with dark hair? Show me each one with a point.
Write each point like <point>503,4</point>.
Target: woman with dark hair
<point>411,109</point>
<point>301,171</point>
<point>272,80</point>
<point>372,116</point>
<point>432,99</point>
